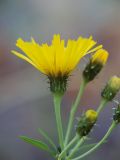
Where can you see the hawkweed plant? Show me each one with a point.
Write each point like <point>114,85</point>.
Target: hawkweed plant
<point>57,61</point>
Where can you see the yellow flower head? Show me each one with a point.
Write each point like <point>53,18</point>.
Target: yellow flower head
<point>91,115</point>
<point>100,57</point>
<point>57,60</point>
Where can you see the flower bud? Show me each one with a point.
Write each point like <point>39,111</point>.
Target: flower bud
<point>86,122</point>
<point>111,88</point>
<point>97,61</point>
<point>116,116</point>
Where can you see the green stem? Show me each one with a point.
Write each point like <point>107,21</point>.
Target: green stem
<point>76,147</point>
<point>68,146</point>
<point>101,106</point>
<point>73,111</point>
<point>113,125</point>
<point>57,103</point>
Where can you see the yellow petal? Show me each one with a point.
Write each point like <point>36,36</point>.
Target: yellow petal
<point>56,58</point>
<point>100,56</point>
<point>26,59</point>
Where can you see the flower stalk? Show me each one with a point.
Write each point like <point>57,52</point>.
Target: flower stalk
<point>73,110</point>
<point>68,146</point>
<point>102,105</point>
<point>57,107</point>
<point>81,141</point>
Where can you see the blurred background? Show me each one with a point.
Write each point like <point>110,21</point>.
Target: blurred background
<point>25,101</point>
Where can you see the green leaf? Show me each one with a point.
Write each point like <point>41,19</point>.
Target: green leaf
<point>38,144</point>
<point>44,134</point>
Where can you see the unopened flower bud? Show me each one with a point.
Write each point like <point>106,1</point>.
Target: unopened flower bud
<point>116,116</point>
<point>111,88</point>
<point>97,61</point>
<point>86,122</point>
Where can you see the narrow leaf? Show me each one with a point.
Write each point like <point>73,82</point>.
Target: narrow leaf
<point>36,143</point>
<point>44,134</point>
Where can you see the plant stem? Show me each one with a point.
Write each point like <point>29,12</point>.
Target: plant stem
<point>73,110</point>
<point>101,106</point>
<point>68,146</point>
<point>80,142</point>
<point>113,125</point>
<point>57,103</point>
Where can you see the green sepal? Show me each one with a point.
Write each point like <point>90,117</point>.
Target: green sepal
<point>108,93</point>
<point>58,84</point>
<point>116,115</point>
<point>91,71</point>
<point>37,143</point>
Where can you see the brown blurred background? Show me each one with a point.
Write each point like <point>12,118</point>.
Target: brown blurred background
<point>25,100</point>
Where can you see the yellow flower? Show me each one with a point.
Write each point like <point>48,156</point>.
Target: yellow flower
<point>100,57</point>
<point>91,115</point>
<point>55,59</point>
